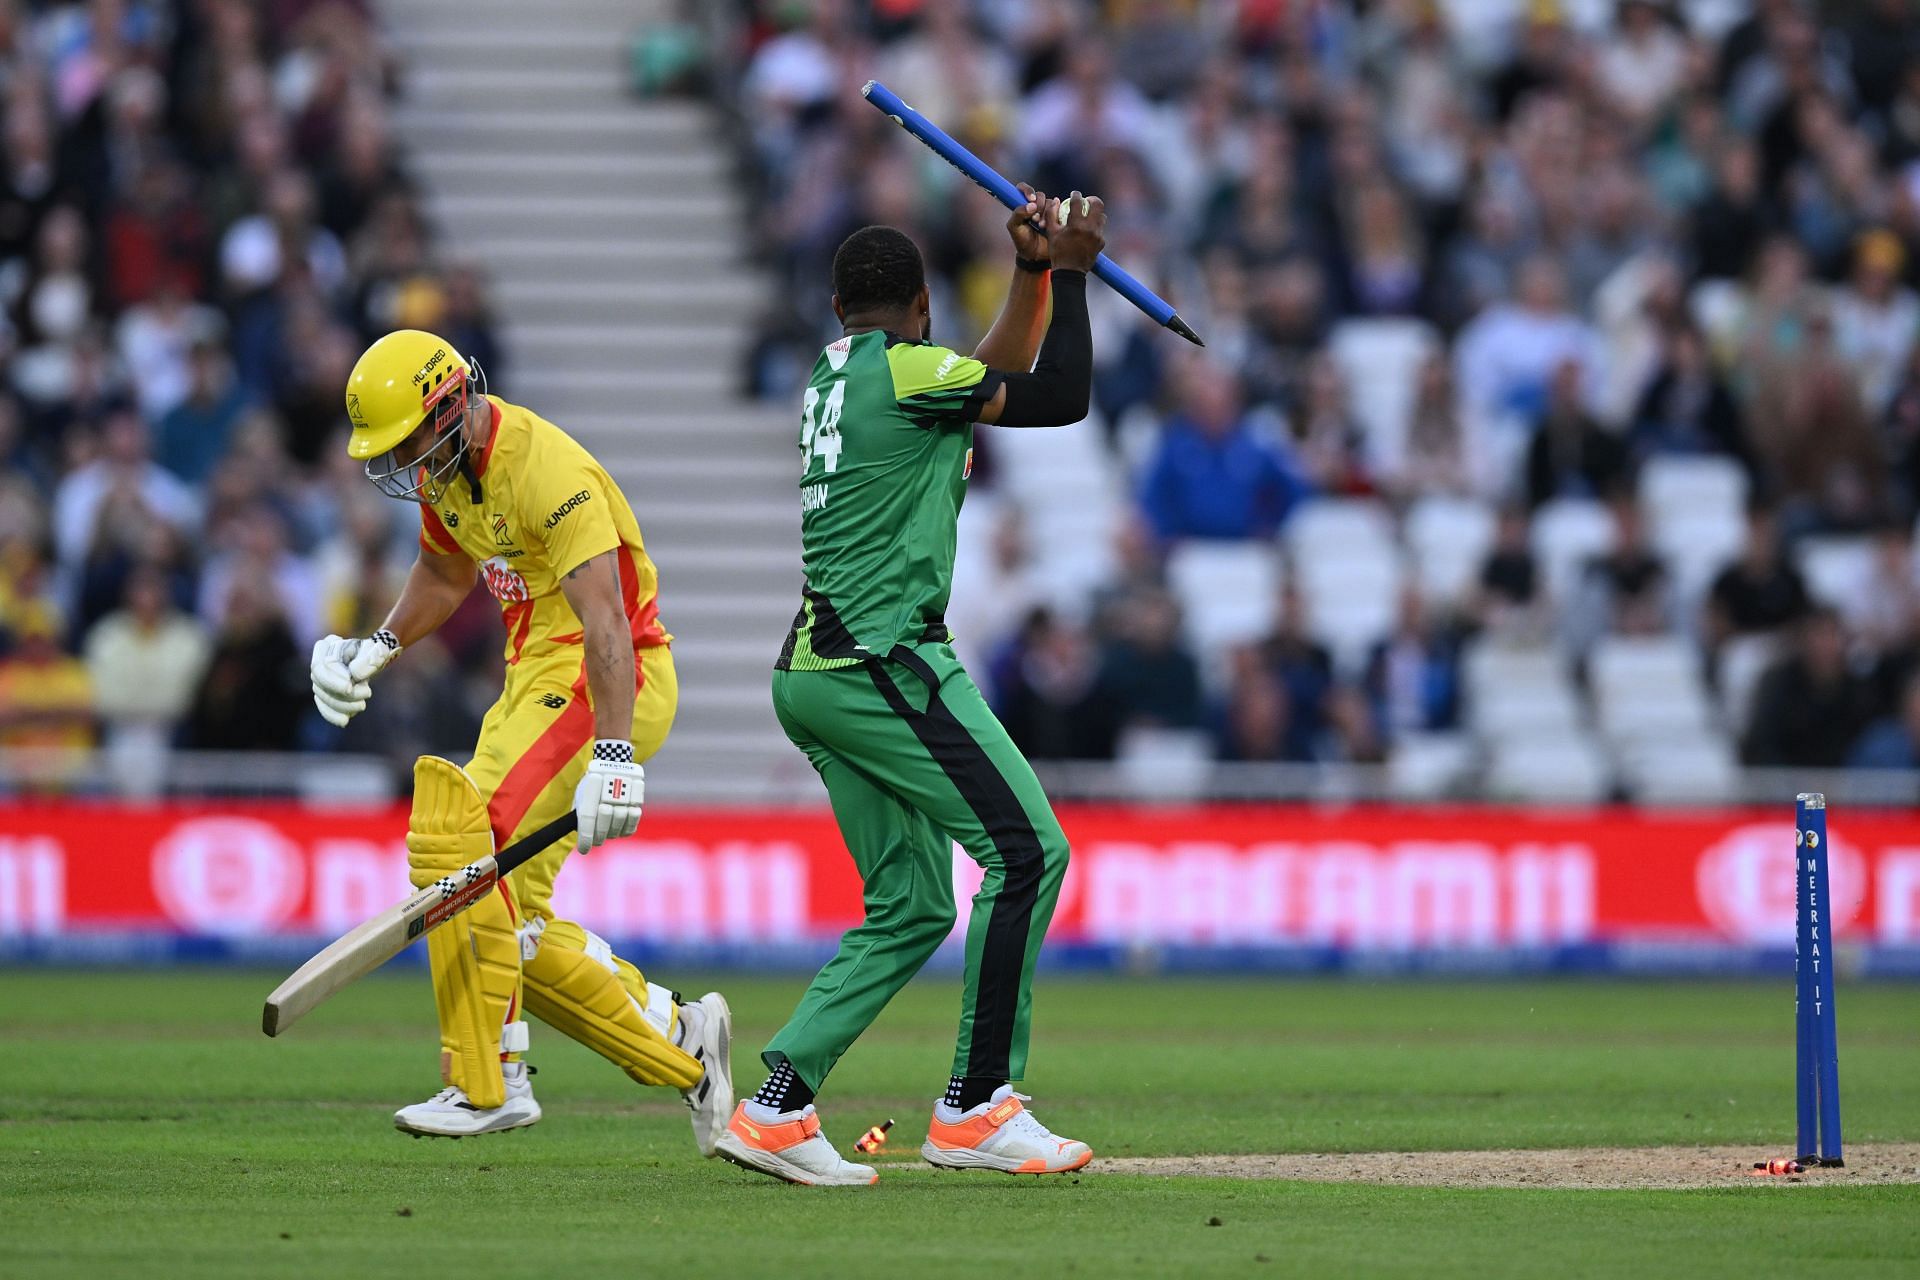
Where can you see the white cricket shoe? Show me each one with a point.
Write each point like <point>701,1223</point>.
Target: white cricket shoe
<point>448,1114</point>
<point>709,1038</point>
<point>790,1147</point>
<point>999,1134</point>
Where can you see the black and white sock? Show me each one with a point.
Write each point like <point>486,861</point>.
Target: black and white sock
<point>964,1093</point>
<point>784,1090</point>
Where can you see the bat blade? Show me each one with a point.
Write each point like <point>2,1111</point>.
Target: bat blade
<point>371,944</point>
<point>380,939</point>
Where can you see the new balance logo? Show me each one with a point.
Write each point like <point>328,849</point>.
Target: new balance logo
<point>552,700</point>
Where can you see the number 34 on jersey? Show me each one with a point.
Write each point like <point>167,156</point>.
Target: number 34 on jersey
<point>820,439</point>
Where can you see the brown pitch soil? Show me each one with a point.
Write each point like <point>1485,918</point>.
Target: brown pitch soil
<point>1592,1168</point>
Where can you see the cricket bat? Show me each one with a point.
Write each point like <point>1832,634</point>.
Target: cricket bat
<point>358,953</point>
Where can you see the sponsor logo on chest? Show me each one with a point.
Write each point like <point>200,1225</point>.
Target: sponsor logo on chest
<point>503,538</point>
<point>503,583</point>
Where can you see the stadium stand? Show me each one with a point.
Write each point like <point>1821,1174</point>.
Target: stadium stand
<point>1543,335</point>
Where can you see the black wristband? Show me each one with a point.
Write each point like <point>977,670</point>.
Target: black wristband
<point>1058,390</point>
<point>1039,266</point>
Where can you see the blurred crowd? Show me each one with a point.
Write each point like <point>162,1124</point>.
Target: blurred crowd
<point>203,218</point>
<point>1507,253</point>
<point>1510,257</point>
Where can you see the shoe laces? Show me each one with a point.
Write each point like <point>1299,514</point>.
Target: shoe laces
<point>1025,1124</point>
<point>450,1094</point>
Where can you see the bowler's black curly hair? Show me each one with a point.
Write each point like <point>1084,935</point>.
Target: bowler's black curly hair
<point>877,268</point>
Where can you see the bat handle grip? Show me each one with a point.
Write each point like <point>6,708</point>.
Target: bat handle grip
<point>530,846</point>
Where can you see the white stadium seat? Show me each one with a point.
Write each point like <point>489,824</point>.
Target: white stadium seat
<point>1568,532</point>
<point>1346,564</point>
<point>1164,764</point>
<point>1696,517</point>
<point>1625,665</point>
<point>1227,592</point>
<point>1515,694</point>
<point>1639,720</point>
<point>1379,360</point>
<point>1331,525</point>
<point>1569,770</point>
<point>1428,766</point>
<point>1837,569</point>
<point>1743,660</point>
<point>1351,597</point>
<point>1448,539</point>
<point>1682,769</point>
<point>1696,547</point>
<point>1526,715</point>
<point>1673,484</point>
<point>1074,498</point>
<point>1648,690</point>
<point>1487,664</point>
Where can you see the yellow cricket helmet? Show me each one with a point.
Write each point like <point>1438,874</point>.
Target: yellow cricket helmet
<point>400,382</point>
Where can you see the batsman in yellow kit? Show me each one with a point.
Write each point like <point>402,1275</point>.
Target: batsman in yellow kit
<point>509,499</point>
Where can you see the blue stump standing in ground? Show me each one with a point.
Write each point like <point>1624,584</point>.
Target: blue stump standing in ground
<point>1816,1045</point>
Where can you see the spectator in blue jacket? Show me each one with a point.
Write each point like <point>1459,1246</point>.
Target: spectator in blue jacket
<point>195,434</point>
<point>1213,476</point>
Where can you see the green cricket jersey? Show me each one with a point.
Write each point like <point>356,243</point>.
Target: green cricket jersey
<point>886,446</point>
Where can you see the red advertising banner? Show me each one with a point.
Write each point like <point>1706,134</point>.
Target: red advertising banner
<point>1366,879</point>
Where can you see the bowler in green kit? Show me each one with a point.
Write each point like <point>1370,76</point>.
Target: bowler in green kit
<point>869,688</point>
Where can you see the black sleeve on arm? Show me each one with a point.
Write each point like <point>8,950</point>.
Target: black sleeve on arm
<point>1060,387</point>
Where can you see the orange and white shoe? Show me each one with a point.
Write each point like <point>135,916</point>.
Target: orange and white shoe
<point>1000,1134</point>
<point>790,1147</point>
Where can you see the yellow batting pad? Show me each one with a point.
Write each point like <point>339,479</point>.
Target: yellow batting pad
<point>474,957</point>
<point>600,1000</point>
<point>449,822</point>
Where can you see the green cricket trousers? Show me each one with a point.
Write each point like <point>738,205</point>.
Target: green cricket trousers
<point>914,762</point>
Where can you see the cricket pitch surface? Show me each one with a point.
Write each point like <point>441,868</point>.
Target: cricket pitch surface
<point>1583,1169</point>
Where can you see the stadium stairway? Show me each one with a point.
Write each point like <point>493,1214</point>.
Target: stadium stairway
<point>611,235</point>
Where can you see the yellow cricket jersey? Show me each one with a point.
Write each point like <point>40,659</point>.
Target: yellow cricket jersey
<point>545,508</point>
<point>57,689</point>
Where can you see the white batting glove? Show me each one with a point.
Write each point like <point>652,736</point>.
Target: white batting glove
<point>606,804</point>
<point>342,669</point>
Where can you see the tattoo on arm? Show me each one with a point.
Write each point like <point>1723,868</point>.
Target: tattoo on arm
<point>584,565</point>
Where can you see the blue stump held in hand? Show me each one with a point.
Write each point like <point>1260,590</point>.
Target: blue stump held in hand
<point>1009,195</point>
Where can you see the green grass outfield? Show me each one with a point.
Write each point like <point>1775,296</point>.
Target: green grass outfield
<point>147,1128</point>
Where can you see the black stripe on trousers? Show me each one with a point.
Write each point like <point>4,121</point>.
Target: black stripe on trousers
<point>1003,955</point>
